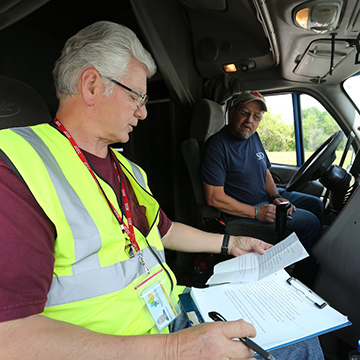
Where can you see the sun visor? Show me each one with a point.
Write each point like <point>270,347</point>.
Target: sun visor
<point>316,60</point>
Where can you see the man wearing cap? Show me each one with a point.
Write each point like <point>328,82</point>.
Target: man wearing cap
<point>237,179</point>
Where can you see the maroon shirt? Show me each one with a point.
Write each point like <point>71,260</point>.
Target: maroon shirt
<point>27,240</point>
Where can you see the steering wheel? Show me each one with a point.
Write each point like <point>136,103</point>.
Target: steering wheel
<point>318,162</point>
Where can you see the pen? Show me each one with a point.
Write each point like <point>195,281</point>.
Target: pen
<point>249,343</point>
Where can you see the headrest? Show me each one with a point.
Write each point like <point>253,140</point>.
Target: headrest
<point>20,105</point>
<point>207,119</point>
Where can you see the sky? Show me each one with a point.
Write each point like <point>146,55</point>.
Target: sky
<point>282,105</point>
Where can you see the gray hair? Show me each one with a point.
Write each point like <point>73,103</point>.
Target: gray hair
<point>104,45</point>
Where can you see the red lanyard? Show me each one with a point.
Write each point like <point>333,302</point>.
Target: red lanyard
<point>129,230</point>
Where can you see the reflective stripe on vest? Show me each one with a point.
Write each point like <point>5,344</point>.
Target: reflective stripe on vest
<point>85,284</point>
<point>138,174</point>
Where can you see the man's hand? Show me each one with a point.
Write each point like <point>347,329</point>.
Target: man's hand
<point>211,341</point>
<point>267,213</point>
<point>280,200</point>
<point>240,245</point>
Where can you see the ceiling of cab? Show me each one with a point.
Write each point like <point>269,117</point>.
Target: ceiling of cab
<point>307,56</point>
<point>229,31</point>
<point>192,40</point>
<point>259,37</point>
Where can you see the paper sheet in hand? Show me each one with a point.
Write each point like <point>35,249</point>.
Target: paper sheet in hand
<point>253,267</point>
<point>280,314</point>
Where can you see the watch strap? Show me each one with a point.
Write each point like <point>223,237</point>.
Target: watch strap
<point>225,245</point>
<point>275,196</point>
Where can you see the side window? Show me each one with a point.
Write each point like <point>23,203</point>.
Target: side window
<point>278,131</point>
<point>318,126</point>
<point>352,87</point>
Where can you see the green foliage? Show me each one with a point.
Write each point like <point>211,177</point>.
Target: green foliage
<point>318,126</point>
<point>278,135</point>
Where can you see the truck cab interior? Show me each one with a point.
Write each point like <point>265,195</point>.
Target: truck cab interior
<point>303,56</point>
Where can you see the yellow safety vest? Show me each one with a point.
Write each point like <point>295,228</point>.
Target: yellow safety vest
<point>93,283</point>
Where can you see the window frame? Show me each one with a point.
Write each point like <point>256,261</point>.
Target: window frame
<point>298,122</point>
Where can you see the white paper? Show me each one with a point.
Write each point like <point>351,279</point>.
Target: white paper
<point>253,266</point>
<point>278,311</point>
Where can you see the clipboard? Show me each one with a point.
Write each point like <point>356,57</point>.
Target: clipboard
<point>281,313</point>
<point>314,298</point>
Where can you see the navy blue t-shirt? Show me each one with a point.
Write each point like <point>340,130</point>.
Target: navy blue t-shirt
<point>238,165</point>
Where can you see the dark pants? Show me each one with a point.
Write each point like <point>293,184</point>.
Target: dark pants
<point>306,220</point>
<point>306,223</point>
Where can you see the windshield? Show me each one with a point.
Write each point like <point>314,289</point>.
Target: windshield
<point>352,87</point>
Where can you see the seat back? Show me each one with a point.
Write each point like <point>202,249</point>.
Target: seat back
<point>207,119</point>
<point>20,105</point>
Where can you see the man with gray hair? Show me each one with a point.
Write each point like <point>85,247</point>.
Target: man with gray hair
<point>85,275</point>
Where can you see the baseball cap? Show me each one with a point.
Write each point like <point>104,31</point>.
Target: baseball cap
<point>248,96</point>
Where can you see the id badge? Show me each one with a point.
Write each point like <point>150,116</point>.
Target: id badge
<point>160,305</point>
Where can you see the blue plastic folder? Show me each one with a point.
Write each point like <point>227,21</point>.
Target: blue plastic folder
<point>190,309</point>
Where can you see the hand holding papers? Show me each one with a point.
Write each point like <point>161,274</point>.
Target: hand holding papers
<point>253,267</point>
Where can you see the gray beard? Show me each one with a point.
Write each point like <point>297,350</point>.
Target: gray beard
<point>244,135</point>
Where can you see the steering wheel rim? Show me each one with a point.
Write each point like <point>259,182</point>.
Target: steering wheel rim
<point>318,163</point>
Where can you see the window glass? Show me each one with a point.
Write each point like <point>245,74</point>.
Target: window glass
<point>276,130</point>
<point>318,126</point>
<point>352,87</point>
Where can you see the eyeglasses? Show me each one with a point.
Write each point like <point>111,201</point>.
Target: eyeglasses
<point>143,99</point>
<point>246,114</point>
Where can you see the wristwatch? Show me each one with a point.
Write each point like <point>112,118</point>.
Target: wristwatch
<point>225,245</point>
<point>276,196</point>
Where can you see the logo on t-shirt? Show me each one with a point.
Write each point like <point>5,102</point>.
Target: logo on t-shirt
<point>260,155</point>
